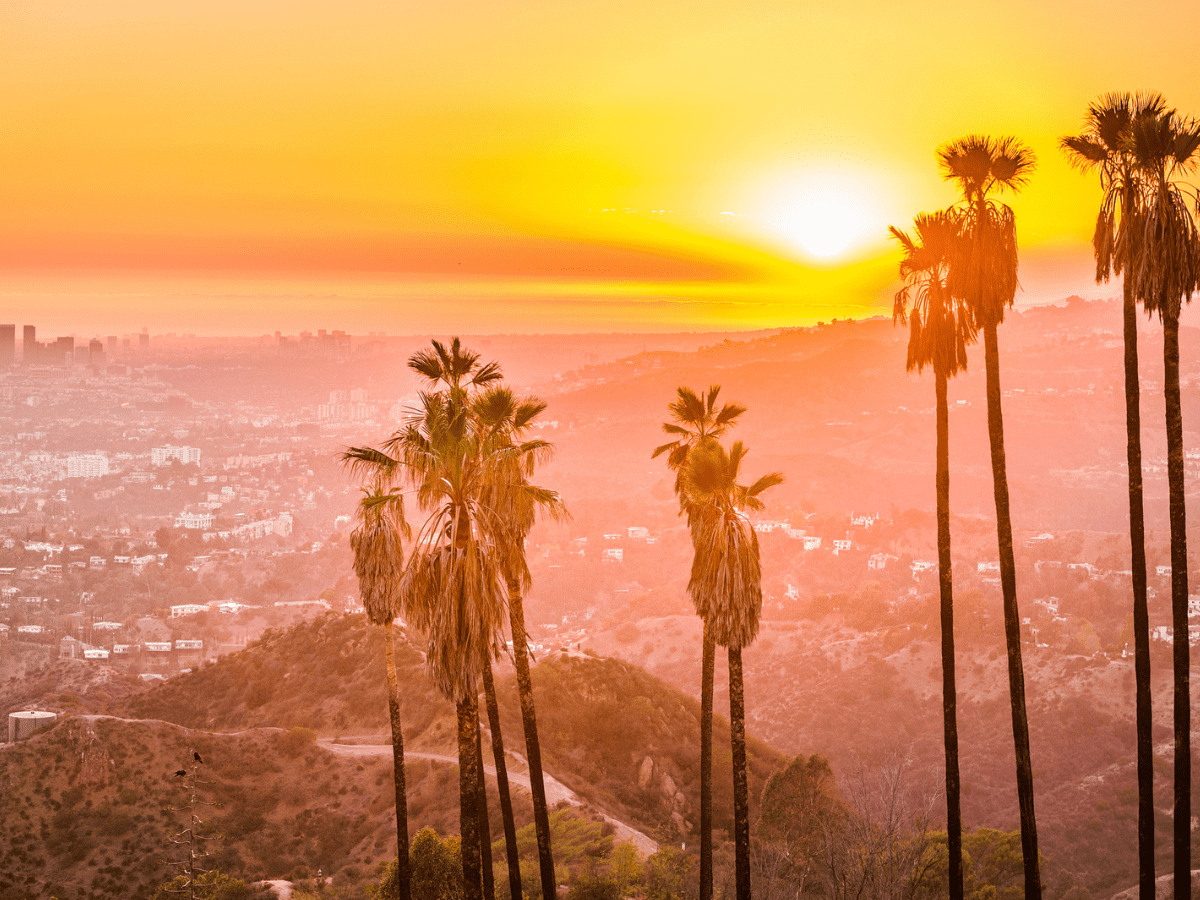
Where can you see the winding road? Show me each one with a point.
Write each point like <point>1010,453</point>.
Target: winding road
<point>556,791</point>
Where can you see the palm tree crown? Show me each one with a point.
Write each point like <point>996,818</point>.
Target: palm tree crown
<point>986,275</point>
<point>696,417</point>
<point>378,545</point>
<point>726,579</point>
<point>1166,265</point>
<point>939,325</point>
<point>1106,145</point>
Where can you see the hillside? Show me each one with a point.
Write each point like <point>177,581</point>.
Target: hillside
<point>600,720</point>
<point>86,806</point>
<point>856,696</point>
<point>90,794</point>
<point>326,674</point>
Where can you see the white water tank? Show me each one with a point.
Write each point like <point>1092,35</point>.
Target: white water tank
<point>22,724</point>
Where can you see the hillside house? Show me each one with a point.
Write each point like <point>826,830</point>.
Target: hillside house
<point>840,545</point>
<point>988,567</point>
<point>921,566</point>
<point>1049,604</point>
<point>613,555</point>
<point>879,561</point>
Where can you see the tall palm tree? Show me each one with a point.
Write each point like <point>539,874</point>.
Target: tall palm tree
<point>939,330</point>
<point>1107,146</point>
<point>726,587</point>
<point>1165,271</point>
<point>985,277</point>
<point>467,459</point>
<point>377,542</point>
<point>506,421</point>
<point>696,417</point>
<point>451,585</point>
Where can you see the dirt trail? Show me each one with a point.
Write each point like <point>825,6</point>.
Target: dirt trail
<point>556,791</point>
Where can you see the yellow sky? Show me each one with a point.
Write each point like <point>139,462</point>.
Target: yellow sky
<point>413,166</point>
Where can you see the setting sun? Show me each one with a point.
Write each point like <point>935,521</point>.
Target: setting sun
<point>824,215</point>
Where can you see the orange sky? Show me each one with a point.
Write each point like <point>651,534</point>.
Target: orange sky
<point>237,167</point>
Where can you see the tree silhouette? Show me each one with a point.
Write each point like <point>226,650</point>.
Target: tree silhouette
<point>939,330</point>
<point>1165,271</point>
<point>726,588</point>
<point>1107,146</point>
<point>696,417</point>
<point>985,278</point>
<point>377,542</point>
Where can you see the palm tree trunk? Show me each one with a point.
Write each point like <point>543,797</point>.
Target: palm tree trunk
<point>469,778</point>
<point>707,665</point>
<point>481,810</point>
<point>1012,620</point>
<point>741,792</point>
<point>1179,611</point>
<point>1141,616</point>
<point>403,882</point>
<point>949,691</point>
<point>506,809</point>
<point>533,750</point>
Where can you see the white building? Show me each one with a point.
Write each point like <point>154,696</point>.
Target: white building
<point>87,465</point>
<point>187,609</point>
<point>613,554</point>
<point>194,520</point>
<point>164,456</point>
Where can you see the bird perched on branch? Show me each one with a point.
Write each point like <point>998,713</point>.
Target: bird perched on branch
<point>196,757</point>
<point>181,773</point>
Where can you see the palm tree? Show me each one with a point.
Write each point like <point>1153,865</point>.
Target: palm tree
<point>470,475</point>
<point>451,586</point>
<point>985,277</point>
<point>939,330</point>
<point>1107,145</point>
<point>1165,271</point>
<point>377,542</point>
<point>726,588</point>
<point>697,418</point>
<point>506,420</point>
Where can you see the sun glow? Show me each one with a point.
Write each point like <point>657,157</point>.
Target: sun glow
<point>826,216</point>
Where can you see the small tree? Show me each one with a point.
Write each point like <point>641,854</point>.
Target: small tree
<point>192,880</point>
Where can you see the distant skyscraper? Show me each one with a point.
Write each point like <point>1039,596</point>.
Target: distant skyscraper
<point>29,347</point>
<point>8,345</point>
<point>64,351</point>
<point>95,352</point>
<point>112,346</point>
<point>144,340</point>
